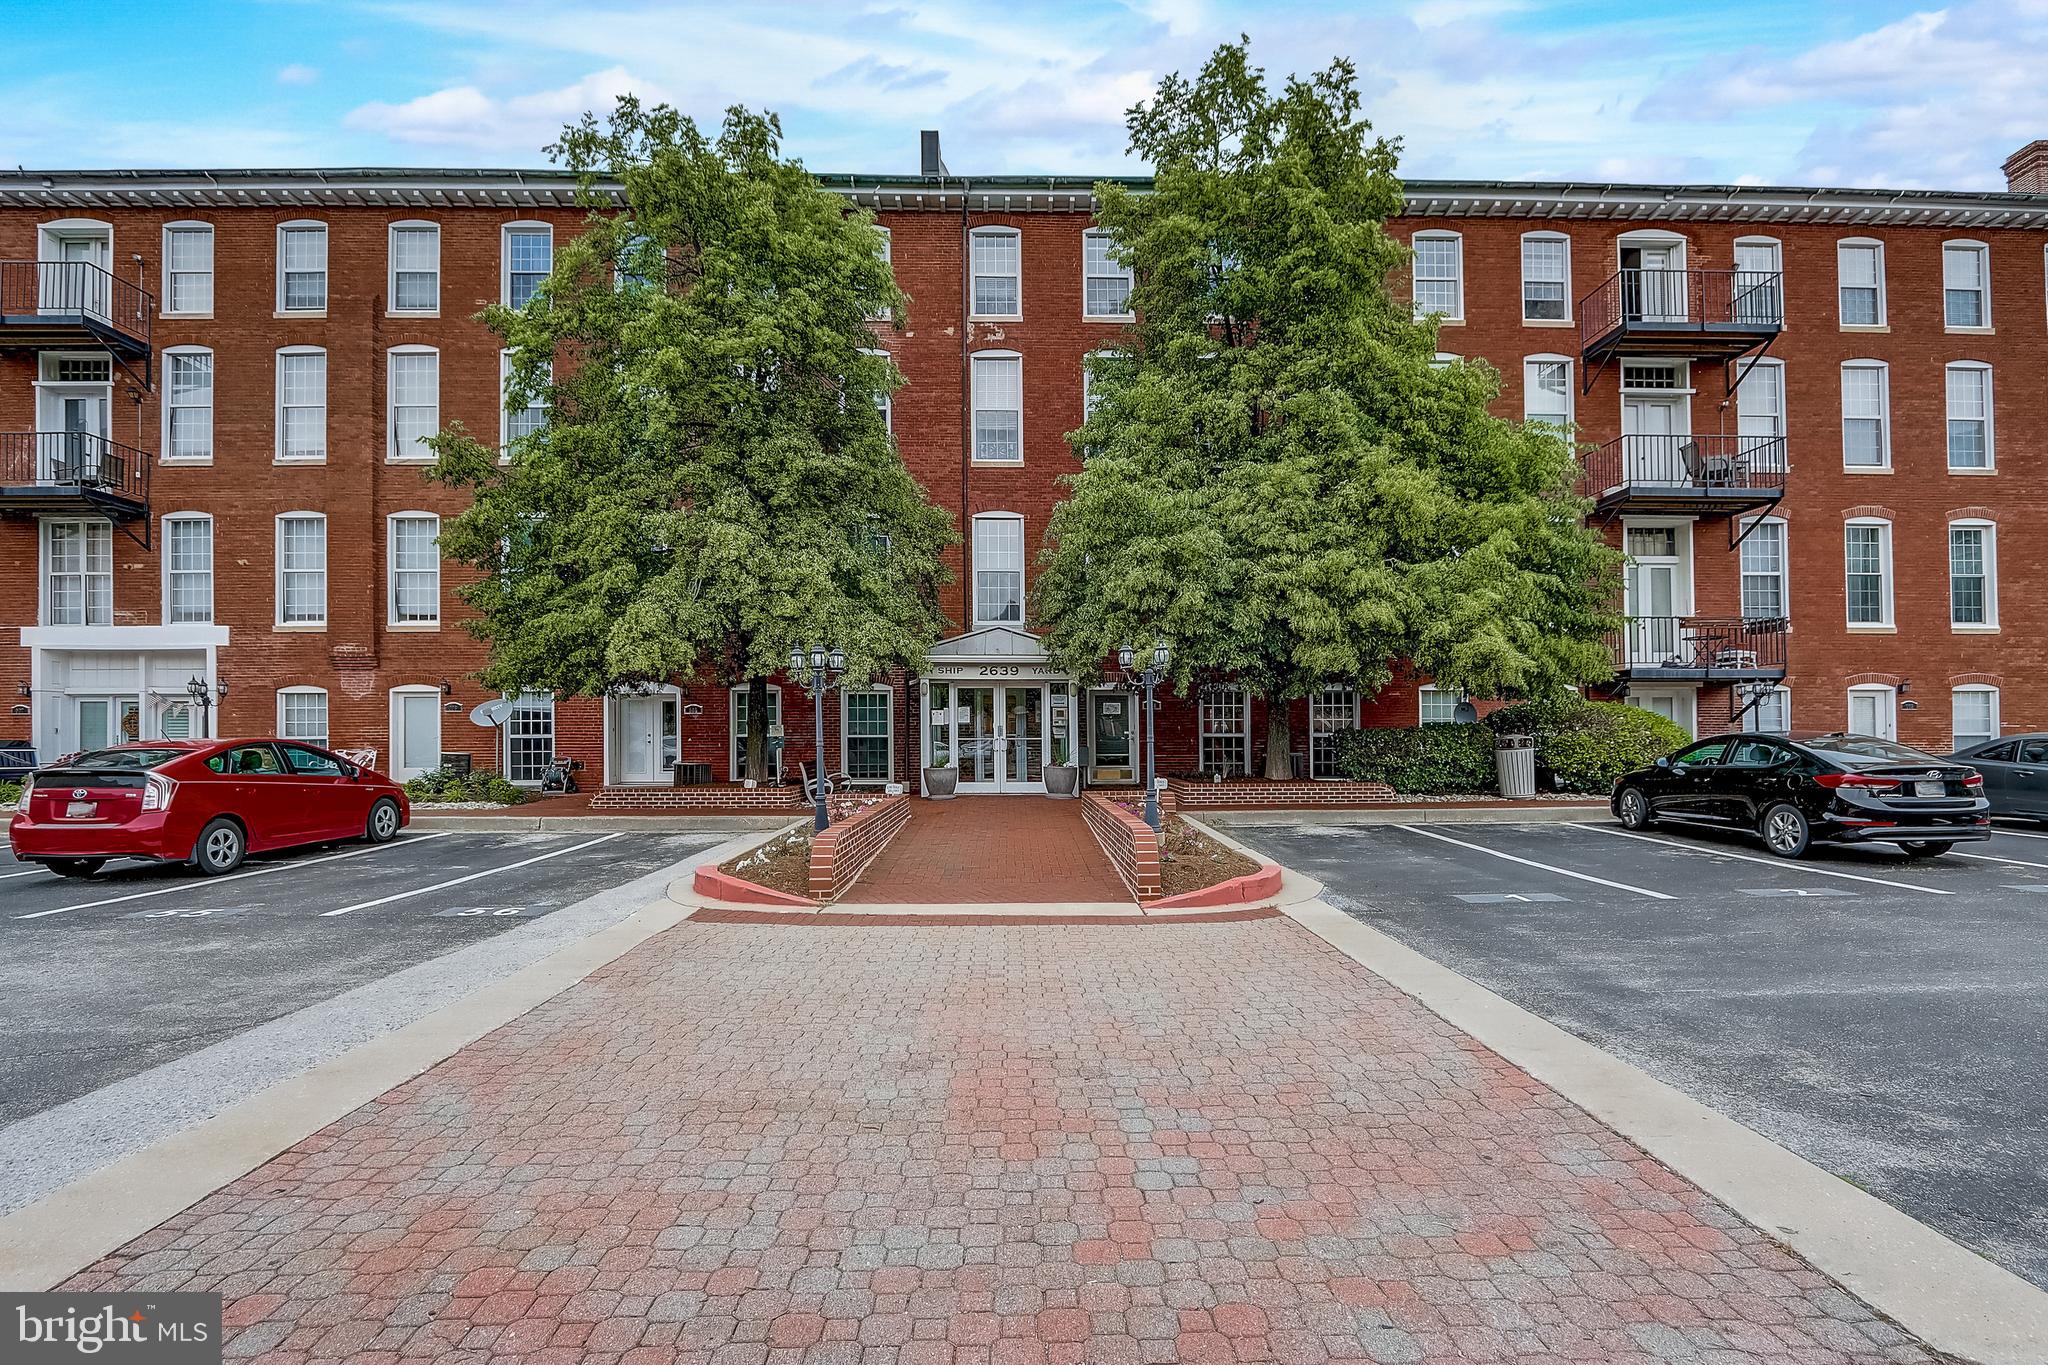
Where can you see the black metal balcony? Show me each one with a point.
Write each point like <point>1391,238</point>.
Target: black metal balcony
<point>1699,649</point>
<point>72,471</point>
<point>1685,312</point>
<point>52,304</point>
<point>1713,475</point>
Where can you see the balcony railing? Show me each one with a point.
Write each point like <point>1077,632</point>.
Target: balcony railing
<point>1724,471</point>
<point>52,467</point>
<point>1700,648</point>
<point>1721,310</point>
<point>50,302</point>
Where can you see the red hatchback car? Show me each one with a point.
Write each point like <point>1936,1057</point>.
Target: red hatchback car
<point>205,802</point>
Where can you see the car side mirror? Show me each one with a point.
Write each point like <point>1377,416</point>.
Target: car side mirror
<point>1663,762</point>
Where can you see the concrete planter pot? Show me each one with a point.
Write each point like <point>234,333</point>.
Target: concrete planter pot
<point>1062,781</point>
<point>939,783</point>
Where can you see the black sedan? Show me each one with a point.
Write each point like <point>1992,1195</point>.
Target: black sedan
<point>1847,789</point>
<point>2015,772</point>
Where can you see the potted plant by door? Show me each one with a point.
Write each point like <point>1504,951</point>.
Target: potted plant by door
<point>1062,778</point>
<point>941,778</point>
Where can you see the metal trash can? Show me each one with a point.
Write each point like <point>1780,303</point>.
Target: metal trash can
<point>1514,758</point>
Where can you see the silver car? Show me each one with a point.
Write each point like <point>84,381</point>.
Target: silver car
<point>2015,769</point>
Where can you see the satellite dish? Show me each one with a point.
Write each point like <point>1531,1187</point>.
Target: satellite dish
<point>491,713</point>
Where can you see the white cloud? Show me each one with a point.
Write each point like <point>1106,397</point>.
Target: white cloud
<point>298,73</point>
<point>467,118</point>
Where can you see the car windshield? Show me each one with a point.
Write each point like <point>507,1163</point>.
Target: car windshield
<point>1864,747</point>
<point>124,759</point>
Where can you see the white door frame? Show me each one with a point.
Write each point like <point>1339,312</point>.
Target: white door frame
<point>621,737</point>
<point>1685,705</point>
<point>1887,702</point>
<point>1000,782</point>
<point>398,769</point>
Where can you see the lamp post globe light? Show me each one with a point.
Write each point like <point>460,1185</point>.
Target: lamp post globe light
<point>1153,674</point>
<point>821,664</point>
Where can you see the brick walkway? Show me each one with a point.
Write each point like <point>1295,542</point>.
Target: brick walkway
<point>983,1146</point>
<point>990,850</point>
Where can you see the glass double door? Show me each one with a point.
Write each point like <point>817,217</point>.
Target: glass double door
<point>997,737</point>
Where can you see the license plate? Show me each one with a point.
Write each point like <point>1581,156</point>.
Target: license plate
<point>81,810</point>
<point>1930,789</point>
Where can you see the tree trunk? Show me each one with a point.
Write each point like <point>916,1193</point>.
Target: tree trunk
<point>1279,741</point>
<point>757,729</point>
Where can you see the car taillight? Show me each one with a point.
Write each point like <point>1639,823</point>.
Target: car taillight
<point>1860,781</point>
<point>1974,780</point>
<point>157,791</point>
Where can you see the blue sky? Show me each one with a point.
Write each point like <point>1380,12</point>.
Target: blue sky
<point>1799,91</point>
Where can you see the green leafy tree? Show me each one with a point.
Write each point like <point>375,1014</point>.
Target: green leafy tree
<point>1278,479</point>
<point>714,484</point>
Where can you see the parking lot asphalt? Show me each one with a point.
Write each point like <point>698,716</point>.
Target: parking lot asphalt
<point>103,979</point>
<point>1885,1019</point>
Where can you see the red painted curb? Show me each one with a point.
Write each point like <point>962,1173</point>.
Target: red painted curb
<point>1251,886</point>
<point>722,886</point>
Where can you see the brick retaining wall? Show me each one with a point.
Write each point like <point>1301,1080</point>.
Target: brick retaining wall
<point>715,798</point>
<point>841,852</point>
<point>1129,843</point>
<point>1192,794</point>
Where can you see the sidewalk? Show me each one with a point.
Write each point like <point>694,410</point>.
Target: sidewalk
<point>900,1146</point>
<point>990,850</point>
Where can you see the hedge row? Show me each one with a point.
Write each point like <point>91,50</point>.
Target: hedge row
<point>1581,746</point>
<point>446,784</point>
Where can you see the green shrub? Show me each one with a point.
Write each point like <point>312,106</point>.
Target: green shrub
<point>1421,760</point>
<point>1582,746</point>
<point>446,784</point>
<point>10,792</point>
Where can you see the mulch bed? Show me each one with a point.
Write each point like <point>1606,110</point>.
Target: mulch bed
<point>1191,861</point>
<point>784,862</point>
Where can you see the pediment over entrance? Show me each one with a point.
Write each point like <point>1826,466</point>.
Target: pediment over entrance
<point>991,643</point>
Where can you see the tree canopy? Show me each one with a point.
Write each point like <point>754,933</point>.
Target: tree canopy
<point>714,483</point>
<point>1278,477</point>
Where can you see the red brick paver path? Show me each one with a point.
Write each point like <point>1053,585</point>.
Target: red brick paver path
<point>990,850</point>
<point>981,1146</point>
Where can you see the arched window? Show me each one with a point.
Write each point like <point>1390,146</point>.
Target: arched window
<point>996,254</point>
<point>188,404</point>
<point>301,405</point>
<point>1968,385</point>
<point>1546,277</point>
<point>188,569</point>
<point>1965,285</point>
<point>527,257</point>
<point>302,569</point>
<point>414,404</point>
<point>998,569</point>
<point>413,250</point>
<point>302,267</point>
<point>302,714</point>
<point>1439,275</point>
<point>188,269</point>
<point>413,567</point>
<point>1973,574</point>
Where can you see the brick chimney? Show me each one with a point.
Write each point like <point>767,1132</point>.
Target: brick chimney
<point>2026,170</point>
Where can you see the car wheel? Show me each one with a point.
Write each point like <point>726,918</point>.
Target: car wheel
<point>1786,830</point>
<point>383,826</point>
<point>1928,848</point>
<point>1634,809</point>
<point>75,867</point>
<point>220,848</point>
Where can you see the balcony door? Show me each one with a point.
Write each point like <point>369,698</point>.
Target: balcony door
<point>1653,281</point>
<point>75,274</point>
<point>1654,599</point>
<point>1652,431</point>
<point>71,431</point>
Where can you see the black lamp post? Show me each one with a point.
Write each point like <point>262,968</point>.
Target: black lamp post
<point>1153,674</point>
<point>203,698</point>
<point>821,663</point>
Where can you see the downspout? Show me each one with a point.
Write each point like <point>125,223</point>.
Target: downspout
<point>966,414</point>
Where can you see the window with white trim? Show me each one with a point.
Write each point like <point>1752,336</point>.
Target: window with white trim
<point>515,423</point>
<point>999,407</point>
<point>415,568</point>
<point>998,569</point>
<point>996,255</point>
<point>1439,274</point>
<point>1859,275</point>
<point>1546,277</point>
<point>1105,282</point>
<point>1759,283</point>
<point>1867,564</point>
<point>302,714</point>
<point>1866,415</point>
<point>530,738</point>
<point>1763,571</point>
<point>415,254</point>
<point>78,573</point>
<point>1547,391</point>
<point>887,244</point>
<point>1973,715</point>
<point>1226,731</point>
<point>529,256</point>
<point>1972,573</point>
<point>302,569</point>
<point>188,403</point>
<point>302,268</point>
<point>865,736</point>
<point>415,405</point>
<point>1965,284</point>
<point>302,404</point>
<point>188,269</point>
<point>188,569</point>
<point>1969,415</point>
<point>1760,415</point>
<point>1437,705</point>
<point>1772,713</point>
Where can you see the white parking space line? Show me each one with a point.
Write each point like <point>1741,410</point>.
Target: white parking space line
<point>1787,864</point>
<point>10,876</point>
<point>1531,862</point>
<point>458,881</point>
<point>1995,858</point>
<point>199,882</point>
<point>2017,833</point>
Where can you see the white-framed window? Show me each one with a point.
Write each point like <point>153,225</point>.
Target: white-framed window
<point>188,269</point>
<point>517,422</point>
<point>1867,564</point>
<point>528,253</point>
<point>1874,711</point>
<point>302,714</point>
<point>414,283</point>
<point>1973,714</point>
<point>1105,282</point>
<point>188,403</point>
<point>736,744</point>
<point>529,738</point>
<point>1965,284</point>
<point>1547,390</point>
<point>1546,277</point>
<point>78,573</point>
<point>998,569</point>
<point>996,254</point>
<point>1859,282</point>
<point>302,569</point>
<point>866,735</point>
<point>1973,574</point>
<point>1969,416</point>
<point>1226,731</point>
<point>302,404</point>
<point>1443,360</point>
<point>188,569</point>
<point>887,244</point>
<point>1772,714</point>
<point>1764,594</point>
<point>302,267</point>
<point>1437,705</point>
<point>999,407</point>
<point>1866,415</point>
<point>414,563</point>
<point>1439,275</point>
<point>1759,284</point>
<point>415,402</point>
<point>1760,415</point>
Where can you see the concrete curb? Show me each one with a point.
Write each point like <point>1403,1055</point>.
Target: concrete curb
<point>1560,812</point>
<point>73,1226</point>
<point>422,819</point>
<point>1950,1297</point>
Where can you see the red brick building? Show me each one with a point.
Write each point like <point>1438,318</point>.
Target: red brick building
<point>1815,415</point>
